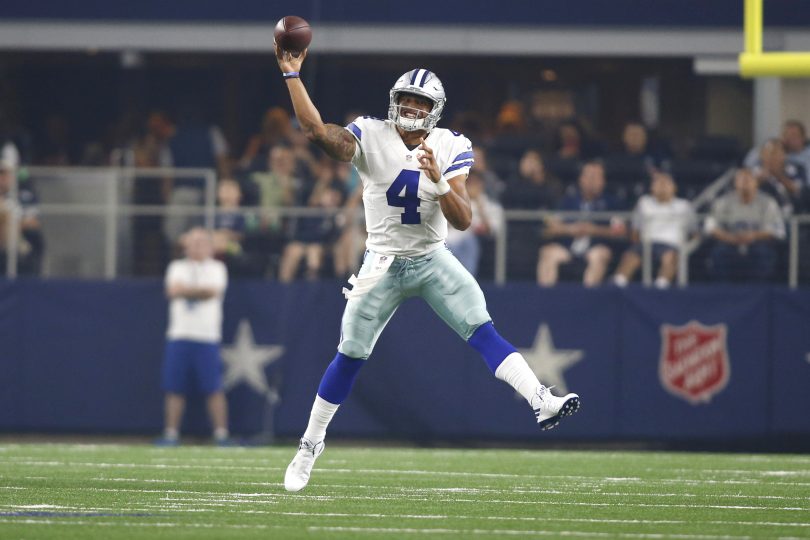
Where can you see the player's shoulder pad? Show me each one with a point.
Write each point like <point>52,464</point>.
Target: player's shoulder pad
<point>364,124</point>
<point>460,157</point>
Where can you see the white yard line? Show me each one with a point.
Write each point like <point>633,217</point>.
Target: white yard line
<point>422,472</point>
<point>523,533</point>
<point>374,530</point>
<point>549,519</point>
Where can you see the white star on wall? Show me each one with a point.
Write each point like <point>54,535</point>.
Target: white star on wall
<point>549,363</point>
<point>246,361</point>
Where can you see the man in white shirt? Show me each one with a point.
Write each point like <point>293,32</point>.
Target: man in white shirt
<point>195,286</point>
<point>664,221</point>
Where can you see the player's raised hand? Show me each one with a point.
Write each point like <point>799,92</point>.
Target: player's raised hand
<point>288,61</point>
<point>427,162</point>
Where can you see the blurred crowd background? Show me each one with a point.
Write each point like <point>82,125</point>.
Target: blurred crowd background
<point>551,133</point>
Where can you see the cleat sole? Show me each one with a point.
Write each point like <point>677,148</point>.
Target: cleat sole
<point>569,407</point>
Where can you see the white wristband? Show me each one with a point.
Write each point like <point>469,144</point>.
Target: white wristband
<point>442,186</point>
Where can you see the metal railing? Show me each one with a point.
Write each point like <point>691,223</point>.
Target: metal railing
<point>115,183</point>
<point>115,203</point>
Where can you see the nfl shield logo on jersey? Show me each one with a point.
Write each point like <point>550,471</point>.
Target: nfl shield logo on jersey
<point>694,361</point>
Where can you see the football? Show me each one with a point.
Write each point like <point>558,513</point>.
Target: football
<point>292,34</point>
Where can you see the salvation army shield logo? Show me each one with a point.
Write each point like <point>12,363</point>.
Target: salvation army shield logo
<point>694,361</point>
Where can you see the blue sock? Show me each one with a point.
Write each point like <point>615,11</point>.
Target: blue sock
<point>338,378</point>
<point>487,341</point>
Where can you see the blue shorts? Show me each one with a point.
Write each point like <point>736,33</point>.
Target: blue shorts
<point>192,364</point>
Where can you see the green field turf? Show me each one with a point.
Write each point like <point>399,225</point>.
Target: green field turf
<point>64,491</point>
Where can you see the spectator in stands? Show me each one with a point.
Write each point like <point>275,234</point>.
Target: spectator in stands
<point>487,220</point>
<point>532,188</point>
<point>636,144</point>
<point>571,142</point>
<point>151,150</point>
<point>276,129</point>
<point>493,184</point>
<point>784,180</point>
<point>746,225</point>
<point>794,139</point>
<point>351,243</point>
<point>628,169</point>
<point>512,136</point>
<point>277,187</point>
<point>230,226</point>
<point>196,144</point>
<point>511,118</point>
<point>310,235</point>
<point>582,239</point>
<point>665,222</point>
<point>195,286</point>
<point>30,243</point>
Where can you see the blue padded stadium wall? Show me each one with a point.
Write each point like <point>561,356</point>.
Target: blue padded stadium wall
<point>697,364</point>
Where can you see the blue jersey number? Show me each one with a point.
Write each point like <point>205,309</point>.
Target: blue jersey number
<point>409,180</point>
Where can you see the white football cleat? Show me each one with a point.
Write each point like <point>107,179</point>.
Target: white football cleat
<point>549,409</point>
<point>299,469</point>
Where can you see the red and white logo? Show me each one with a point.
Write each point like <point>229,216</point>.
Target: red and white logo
<point>694,360</point>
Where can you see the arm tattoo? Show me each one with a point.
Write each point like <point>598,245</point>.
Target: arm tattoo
<point>337,142</point>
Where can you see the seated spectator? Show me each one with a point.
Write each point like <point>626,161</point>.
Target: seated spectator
<point>277,187</point>
<point>533,188</point>
<point>30,243</point>
<point>746,225</point>
<point>197,144</point>
<point>230,225</point>
<point>794,139</point>
<point>571,142</point>
<point>348,251</point>
<point>512,136</point>
<point>636,144</point>
<point>587,240</point>
<point>783,180</point>
<point>310,235</point>
<point>276,129</point>
<point>665,222</point>
<point>150,150</point>
<point>511,118</point>
<point>493,185</point>
<point>487,220</point>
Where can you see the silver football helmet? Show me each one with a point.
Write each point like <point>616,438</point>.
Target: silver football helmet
<point>420,82</point>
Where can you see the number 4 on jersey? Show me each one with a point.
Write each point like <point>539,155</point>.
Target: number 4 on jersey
<point>406,182</point>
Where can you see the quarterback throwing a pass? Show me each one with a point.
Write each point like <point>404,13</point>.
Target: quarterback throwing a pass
<point>413,176</point>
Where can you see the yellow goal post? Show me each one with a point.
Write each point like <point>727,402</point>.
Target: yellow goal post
<point>755,63</point>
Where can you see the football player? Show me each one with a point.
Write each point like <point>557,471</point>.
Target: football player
<point>413,176</point>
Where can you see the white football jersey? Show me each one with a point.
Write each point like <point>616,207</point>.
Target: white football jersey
<point>403,216</point>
